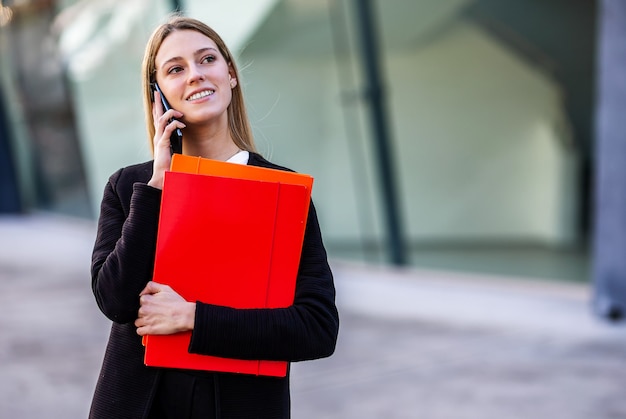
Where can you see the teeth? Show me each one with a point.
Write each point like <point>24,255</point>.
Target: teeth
<point>201,95</point>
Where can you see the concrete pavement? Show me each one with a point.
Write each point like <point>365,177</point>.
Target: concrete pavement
<point>413,343</point>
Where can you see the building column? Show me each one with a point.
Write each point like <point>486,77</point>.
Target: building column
<point>376,105</point>
<point>609,239</point>
<point>9,195</point>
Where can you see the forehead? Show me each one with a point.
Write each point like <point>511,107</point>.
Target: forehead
<point>183,43</point>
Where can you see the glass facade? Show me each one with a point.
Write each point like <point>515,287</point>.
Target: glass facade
<point>487,139</point>
<point>38,104</point>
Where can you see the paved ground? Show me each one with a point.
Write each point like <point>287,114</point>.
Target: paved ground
<point>413,344</point>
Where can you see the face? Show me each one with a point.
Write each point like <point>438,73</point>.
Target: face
<point>194,77</point>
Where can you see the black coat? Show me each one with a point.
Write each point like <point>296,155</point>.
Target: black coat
<point>122,264</point>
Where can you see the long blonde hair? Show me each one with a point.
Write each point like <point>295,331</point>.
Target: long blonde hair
<point>238,122</point>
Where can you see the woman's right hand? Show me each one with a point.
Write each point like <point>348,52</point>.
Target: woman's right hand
<point>164,124</point>
<point>163,311</point>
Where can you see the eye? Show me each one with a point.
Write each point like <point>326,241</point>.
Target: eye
<point>175,69</point>
<point>208,59</point>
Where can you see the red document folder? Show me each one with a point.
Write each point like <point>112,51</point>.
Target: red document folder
<point>189,164</point>
<point>230,241</point>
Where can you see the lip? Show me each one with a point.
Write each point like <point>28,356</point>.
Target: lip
<point>195,92</point>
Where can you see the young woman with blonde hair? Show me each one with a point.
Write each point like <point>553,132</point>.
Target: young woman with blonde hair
<point>197,74</point>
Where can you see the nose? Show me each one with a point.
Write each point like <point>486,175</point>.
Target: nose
<point>195,73</point>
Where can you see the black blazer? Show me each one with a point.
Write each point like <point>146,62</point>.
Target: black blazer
<point>122,263</point>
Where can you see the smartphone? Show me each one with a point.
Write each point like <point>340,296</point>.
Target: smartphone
<point>176,139</point>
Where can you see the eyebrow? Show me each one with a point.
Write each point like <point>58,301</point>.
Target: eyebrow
<point>196,53</point>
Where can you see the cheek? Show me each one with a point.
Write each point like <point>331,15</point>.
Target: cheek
<point>226,89</point>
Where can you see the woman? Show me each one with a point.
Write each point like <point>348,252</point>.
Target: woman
<point>197,74</point>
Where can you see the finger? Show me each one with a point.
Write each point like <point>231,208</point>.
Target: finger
<point>166,115</point>
<point>173,113</point>
<point>162,119</point>
<point>158,103</point>
<point>156,287</point>
<point>164,129</point>
<point>171,126</point>
<point>157,109</point>
<point>144,301</point>
<point>150,288</point>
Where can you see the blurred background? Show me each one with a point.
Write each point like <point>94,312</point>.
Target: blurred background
<point>472,137</point>
<point>449,134</point>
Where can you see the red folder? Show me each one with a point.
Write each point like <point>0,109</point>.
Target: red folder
<point>189,164</point>
<point>230,241</point>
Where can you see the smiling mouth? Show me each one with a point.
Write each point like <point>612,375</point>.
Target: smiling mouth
<point>200,95</point>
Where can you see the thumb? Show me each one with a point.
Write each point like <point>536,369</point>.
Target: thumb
<point>151,288</point>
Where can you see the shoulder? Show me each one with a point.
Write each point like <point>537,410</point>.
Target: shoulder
<point>258,160</point>
<point>121,182</point>
<point>127,176</point>
<point>118,191</point>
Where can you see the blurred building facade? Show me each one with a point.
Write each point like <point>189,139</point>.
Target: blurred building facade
<point>490,107</point>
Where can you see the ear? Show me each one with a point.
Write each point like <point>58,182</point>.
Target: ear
<point>231,76</point>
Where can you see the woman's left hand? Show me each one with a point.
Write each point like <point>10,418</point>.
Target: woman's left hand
<point>163,311</point>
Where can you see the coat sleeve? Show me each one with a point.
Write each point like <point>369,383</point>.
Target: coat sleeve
<point>306,330</point>
<point>123,254</point>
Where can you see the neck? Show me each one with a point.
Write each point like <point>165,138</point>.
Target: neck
<point>217,145</point>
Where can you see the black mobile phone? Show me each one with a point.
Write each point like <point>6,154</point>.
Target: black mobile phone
<point>176,139</point>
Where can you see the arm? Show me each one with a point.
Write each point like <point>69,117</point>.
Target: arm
<point>306,330</point>
<point>123,255</point>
